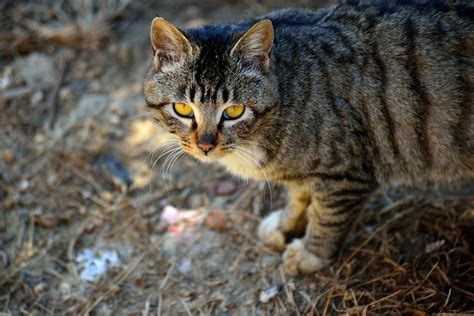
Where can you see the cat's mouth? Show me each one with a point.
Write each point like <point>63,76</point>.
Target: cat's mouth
<point>209,155</point>
<point>223,153</point>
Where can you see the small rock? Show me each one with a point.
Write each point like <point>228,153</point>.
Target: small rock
<point>434,246</point>
<point>107,196</point>
<point>104,309</point>
<point>65,290</point>
<point>217,220</point>
<point>37,68</point>
<point>39,138</point>
<point>65,93</point>
<point>9,156</point>
<point>95,86</point>
<point>114,171</point>
<point>225,188</point>
<point>6,77</point>
<point>40,288</point>
<point>47,220</point>
<point>8,205</point>
<point>266,295</point>
<point>114,119</point>
<point>24,184</point>
<point>3,260</point>
<point>141,282</point>
<point>36,98</point>
<point>185,266</point>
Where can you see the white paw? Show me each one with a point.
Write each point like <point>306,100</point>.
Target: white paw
<point>297,259</point>
<point>269,233</point>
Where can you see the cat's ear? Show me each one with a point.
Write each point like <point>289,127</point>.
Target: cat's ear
<point>168,43</point>
<point>255,45</point>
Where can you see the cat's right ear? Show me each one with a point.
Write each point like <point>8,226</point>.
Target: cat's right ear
<point>255,46</point>
<point>168,43</point>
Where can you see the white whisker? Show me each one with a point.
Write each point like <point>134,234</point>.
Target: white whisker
<point>168,152</point>
<point>148,114</point>
<point>176,159</point>
<point>154,151</point>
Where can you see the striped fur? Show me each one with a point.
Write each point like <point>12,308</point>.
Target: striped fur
<point>356,96</point>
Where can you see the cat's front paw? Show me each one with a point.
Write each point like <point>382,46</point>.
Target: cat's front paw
<point>297,259</point>
<point>269,232</point>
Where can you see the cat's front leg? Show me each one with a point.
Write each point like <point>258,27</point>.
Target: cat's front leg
<point>329,216</point>
<point>273,228</point>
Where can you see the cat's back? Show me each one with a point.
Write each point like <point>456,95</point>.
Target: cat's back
<point>406,67</point>
<point>418,83</point>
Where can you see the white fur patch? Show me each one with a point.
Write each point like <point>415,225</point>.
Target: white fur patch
<point>245,165</point>
<point>297,259</point>
<point>169,66</point>
<point>269,233</point>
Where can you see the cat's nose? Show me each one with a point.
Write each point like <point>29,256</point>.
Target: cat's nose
<point>206,147</point>
<point>207,142</point>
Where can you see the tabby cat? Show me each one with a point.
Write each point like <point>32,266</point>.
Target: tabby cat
<point>330,103</point>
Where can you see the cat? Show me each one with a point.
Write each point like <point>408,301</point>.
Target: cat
<point>332,104</point>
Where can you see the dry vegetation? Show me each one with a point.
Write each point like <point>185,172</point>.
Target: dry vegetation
<point>76,150</point>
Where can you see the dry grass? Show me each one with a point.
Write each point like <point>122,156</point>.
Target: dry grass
<point>410,252</point>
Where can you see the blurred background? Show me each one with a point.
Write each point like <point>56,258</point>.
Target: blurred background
<point>97,218</point>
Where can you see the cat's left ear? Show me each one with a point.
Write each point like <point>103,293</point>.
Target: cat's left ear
<point>255,46</point>
<point>168,43</point>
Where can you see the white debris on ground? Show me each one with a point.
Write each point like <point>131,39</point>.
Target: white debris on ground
<point>268,294</point>
<point>92,264</point>
<point>185,266</point>
<point>173,216</point>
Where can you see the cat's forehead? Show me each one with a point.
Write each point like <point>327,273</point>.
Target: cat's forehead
<point>211,77</point>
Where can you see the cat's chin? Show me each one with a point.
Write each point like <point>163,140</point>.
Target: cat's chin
<point>243,166</point>
<point>206,159</point>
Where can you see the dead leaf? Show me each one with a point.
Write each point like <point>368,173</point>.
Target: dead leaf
<point>217,220</point>
<point>47,220</point>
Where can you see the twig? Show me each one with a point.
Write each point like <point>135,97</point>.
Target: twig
<point>158,309</point>
<point>12,94</point>
<point>53,97</point>
<point>185,307</point>
<point>167,276</point>
<point>289,292</point>
<point>396,217</point>
<point>146,309</point>
<point>326,307</point>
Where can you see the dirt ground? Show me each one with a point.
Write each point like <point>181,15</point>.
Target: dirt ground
<point>97,218</point>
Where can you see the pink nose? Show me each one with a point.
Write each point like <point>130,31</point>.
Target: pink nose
<point>206,147</point>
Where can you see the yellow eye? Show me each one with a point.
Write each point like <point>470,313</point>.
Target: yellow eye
<point>183,110</point>
<point>234,112</point>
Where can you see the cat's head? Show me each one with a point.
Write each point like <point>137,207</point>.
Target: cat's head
<point>213,87</point>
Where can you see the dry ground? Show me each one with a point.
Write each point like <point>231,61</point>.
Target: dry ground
<point>76,153</point>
